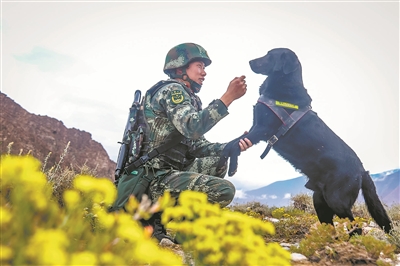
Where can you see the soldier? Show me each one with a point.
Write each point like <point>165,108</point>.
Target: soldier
<point>191,164</point>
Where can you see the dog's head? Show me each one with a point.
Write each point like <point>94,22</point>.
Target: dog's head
<point>276,60</point>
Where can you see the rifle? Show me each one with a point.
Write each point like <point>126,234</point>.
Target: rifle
<point>127,142</point>
<point>137,180</point>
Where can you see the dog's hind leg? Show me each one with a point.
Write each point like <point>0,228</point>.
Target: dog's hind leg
<point>324,212</point>
<point>341,204</point>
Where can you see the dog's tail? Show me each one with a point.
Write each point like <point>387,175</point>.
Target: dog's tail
<point>374,204</point>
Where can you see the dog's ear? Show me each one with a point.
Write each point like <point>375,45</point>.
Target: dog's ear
<point>279,61</point>
<point>290,62</point>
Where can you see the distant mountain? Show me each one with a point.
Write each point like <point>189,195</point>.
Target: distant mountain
<point>41,135</point>
<point>279,193</point>
<point>387,186</point>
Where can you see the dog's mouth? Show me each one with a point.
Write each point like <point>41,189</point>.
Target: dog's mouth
<point>256,66</point>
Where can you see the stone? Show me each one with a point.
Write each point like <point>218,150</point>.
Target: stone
<point>298,257</point>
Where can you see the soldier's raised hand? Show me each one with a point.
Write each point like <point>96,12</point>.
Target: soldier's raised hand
<point>236,89</point>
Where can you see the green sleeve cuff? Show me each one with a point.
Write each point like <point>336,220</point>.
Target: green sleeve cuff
<point>220,107</point>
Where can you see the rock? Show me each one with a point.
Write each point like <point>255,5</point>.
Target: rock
<point>372,224</point>
<point>368,229</point>
<point>42,134</point>
<point>286,246</point>
<point>273,220</point>
<point>397,262</point>
<point>165,242</point>
<point>298,257</point>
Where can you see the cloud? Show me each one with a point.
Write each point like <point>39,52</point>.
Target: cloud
<point>287,196</point>
<point>46,60</point>
<point>240,194</point>
<point>273,197</point>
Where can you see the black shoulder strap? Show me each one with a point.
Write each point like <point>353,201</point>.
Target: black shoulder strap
<point>160,84</point>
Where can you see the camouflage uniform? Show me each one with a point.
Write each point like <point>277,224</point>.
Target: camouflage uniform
<point>190,165</point>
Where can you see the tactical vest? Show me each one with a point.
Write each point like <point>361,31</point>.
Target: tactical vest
<point>159,128</point>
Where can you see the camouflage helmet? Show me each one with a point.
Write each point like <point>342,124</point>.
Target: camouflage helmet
<point>184,53</point>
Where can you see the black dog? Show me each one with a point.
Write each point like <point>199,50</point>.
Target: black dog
<point>284,119</point>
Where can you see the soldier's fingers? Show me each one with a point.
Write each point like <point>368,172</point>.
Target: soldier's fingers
<point>243,145</point>
<point>248,142</point>
<point>241,78</point>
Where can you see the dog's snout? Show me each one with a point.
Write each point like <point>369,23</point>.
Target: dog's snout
<point>251,62</point>
<point>256,65</point>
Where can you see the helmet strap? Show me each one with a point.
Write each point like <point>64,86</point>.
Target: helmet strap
<point>194,86</point>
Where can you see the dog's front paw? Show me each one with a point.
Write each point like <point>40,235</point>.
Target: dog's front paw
<point>231,151</point>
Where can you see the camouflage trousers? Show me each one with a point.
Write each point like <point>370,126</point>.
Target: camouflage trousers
<point>201,175</point>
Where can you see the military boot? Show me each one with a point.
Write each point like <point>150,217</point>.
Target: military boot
<point>159,231</point>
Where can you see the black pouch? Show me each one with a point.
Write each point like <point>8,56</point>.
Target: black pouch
<point>136,183</point>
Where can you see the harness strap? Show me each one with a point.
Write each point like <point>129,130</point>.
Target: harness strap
<point>288,120</point>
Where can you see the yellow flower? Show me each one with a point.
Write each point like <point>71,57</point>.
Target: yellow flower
<point>51,243</point>
<point>101,190</point>
<point>127,228</point>
<point>71,198</point>
<point>83,258</point>
<point>22,169</point>
<point>214,258</point>
<point>268,228</point>
<point>39,200</point>
<point>6,253</point>
<point>166,201</point>
<point>132,205</point>
<point>106,220</point>
<point>188,197</point>
<point>157,257</point>
<point>84,183</point>
<point>217,236</point>
<point>5,216</point>
<point>234,258</point>
<point>108,189</point>
<point>50,255</point>
<point>108,258</point>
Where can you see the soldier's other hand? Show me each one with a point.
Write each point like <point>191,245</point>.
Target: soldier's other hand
<point>236,89</point>
<point>244,144</point>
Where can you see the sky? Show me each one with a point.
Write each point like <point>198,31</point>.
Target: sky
<point>81,62</point>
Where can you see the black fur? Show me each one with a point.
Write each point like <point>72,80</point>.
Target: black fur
<point>334,171</point>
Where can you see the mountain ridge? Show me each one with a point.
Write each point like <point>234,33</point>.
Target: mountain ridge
<point>22,132</point>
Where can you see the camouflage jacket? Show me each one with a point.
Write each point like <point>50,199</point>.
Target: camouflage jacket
<point>175,107</point>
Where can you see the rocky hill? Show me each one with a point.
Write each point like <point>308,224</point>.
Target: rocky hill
<point>42,134</point>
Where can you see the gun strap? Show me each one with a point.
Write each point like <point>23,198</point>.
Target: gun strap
<point>173,140</point>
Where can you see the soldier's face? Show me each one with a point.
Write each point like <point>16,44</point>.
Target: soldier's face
<point>196,72</point>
